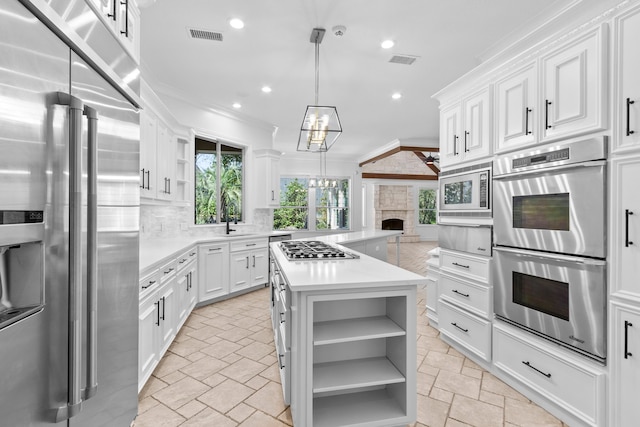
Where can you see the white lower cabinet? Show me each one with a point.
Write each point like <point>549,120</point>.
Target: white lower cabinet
<point>431,300</point>
<point>624,410</point>
<point>560,381</point>
<point>249,264</point>
<point>187,292</point>
<point>213,270</point>
<point>466,329</point>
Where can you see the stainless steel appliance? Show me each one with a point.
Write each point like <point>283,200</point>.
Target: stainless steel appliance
<point>472,238</point>
<point>313,250</point>
<point>69,203</point>
<point>466,192</point>
<point>550,244</point>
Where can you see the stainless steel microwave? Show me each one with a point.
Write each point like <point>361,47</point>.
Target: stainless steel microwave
<point>466,191</point>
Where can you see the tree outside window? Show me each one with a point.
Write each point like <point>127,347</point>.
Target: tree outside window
<point>293,213</point>
<point>426,206</point>
<point>332,205</point>
<point>218,182</point>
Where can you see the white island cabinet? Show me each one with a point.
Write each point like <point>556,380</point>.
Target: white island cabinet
<point>345,333</point>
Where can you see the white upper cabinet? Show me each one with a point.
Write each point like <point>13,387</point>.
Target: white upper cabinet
<point>267,180</point>
<point>627,81</point>
<point>465,129</point>
<point>148,171</point>
<point>515,107</point>
<point>573,87</point>
<point>123,19</point>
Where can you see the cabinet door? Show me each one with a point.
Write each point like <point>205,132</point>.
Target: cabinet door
<point>148,335</point>
<point>625,366</point>
<point>625,227</point>
<point>259,267</point>
<point>450,135</point>
<point>166,163</point>
<point>627,66</point>
<point>573,83</point>
<point>192,294</point>
<point>182,289</point>
<point>128,27</point>
<point>516,98</point>
<point>213,271</point>
<point>240,271</point>
<point>168,299</point>
<point>273,193</point>
<point>476,135</point>
<point>148,171</point>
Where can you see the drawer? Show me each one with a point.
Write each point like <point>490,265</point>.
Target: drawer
<point>186,258</point>
<point>466,329</point>
<point>576,385</point>
<point>149,283</point>
<point>243,245</point>
<point>471,296</point>
<point>472,267</point>
<point>167,271</point>
<point>283,322</point>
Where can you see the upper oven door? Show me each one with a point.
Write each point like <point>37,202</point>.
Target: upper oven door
<point>467,192</point>
<point>557,209</point>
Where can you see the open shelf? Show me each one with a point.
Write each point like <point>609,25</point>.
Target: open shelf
<point>344,330</point>
<point>370,408</point>
<point>351,374</point>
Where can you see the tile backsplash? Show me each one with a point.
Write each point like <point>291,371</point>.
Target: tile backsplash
<point>157,221</point>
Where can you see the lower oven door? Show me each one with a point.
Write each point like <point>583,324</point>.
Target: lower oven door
<point>560,297</point>
<point>560,209</point>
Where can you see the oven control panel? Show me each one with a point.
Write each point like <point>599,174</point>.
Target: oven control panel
<point>537,159</point>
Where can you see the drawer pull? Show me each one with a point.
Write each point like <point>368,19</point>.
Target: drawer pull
<point>250,244</point>
<point>536,369</point>
<point>151,283</point>
<point>281,320</point>
<point>192,254</point>
<point>627,353</point>
<point>460,265</point>
<point>169,271</point>
<point>459,327</point>
<point>460,293</point>
<point>280,361</point>
<point>183,260</point>
<point>214,249</point>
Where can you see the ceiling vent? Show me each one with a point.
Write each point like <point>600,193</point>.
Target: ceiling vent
<point>196,33</point>
<point>403,59</point>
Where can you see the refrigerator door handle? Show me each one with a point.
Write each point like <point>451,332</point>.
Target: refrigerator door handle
<point>92,262</point>
<point>74,397</point>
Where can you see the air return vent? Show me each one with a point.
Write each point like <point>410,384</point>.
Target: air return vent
<point>196,33</point>
<point>403,59</point>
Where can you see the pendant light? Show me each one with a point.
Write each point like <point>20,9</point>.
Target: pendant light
<point>321,125</point>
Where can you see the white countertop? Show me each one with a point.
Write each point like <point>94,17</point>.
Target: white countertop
<point>357,236</point>
<point>153,251</point>
<point>343,274</point>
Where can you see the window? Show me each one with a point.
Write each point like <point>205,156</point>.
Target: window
<point>218,182</point>
<point>332,206</point>
<point>293,213</point>
<point>297,202</point>
<point>426,206</point>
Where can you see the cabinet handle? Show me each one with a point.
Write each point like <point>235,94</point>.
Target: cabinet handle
<point>627,325</point>
<point>455,291</point>
<point>126,18</point>
<point>142,186</point>
<point>627,214</point>
<point>157,303</point>
<point>112,15</point>
<point>148,179</point>
<point>169,182</point>
<point>546,114</point>
<point>182,261</point>
<point>280,361</point>
<point>527,110</point>
<point>247,262</point>
<point>151,283</point>
<point>455,145</point>
<point>273,195</point>
<point>254,260</point>
<point>459,327</point>
<point>536,369</point>
<point>192,254</point>
<point>281,320</point>
<point>163,305</point>
<point>250,244</point>
<point>629,102</point>
<point>168,271</point>
<point>215,249</point>
<point>460,265</point>
<point>466,133</point>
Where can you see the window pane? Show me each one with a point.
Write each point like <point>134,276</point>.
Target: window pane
<point>332,218</point>
<point>427,206</point>
<point>332,205</point>
<point>294,199</point>
<point>206,182</point>
<point>231,183</point>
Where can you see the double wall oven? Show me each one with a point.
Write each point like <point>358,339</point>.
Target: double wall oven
<point>550,243</point>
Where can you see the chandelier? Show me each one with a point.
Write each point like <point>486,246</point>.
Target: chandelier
<point>321,125</point>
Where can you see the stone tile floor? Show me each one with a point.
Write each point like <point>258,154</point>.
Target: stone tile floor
<point>221,371</point>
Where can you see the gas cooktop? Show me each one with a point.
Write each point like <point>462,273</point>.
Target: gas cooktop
<point>313,250</point>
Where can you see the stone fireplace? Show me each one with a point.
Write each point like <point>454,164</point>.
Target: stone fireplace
<point>394,205</point>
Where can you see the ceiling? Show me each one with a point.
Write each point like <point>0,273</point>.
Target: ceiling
<point>448,37</point>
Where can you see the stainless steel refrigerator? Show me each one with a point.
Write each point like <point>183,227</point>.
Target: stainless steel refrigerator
<point>69,230</point>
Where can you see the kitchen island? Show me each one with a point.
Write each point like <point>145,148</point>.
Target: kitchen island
<point>345,334</point>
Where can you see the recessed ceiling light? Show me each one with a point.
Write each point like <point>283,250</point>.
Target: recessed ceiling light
<point>387,44</point>
<point>266,89</point>
<point>396,95</point>
<point>237,105</point>
<point>236,23</point>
